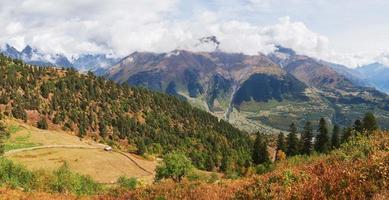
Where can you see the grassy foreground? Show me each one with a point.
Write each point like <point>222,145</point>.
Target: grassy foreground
<point>358,170</point>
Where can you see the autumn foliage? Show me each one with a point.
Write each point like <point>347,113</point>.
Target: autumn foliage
<point>358,170</point>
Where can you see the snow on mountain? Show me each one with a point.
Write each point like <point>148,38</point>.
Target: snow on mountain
<point>83,63</point>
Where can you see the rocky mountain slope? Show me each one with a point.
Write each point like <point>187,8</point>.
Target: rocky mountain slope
<point>253,92</point>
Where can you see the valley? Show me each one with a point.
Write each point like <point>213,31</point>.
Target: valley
<point>194,100</point>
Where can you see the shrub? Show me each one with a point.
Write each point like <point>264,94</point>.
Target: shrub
<point>15,175</point>
<point>127,183</point>
<point>265,167</point>
<point>65,181</point>
<point>356,148</point>
<point>213,178</point>
<point>175,166</point>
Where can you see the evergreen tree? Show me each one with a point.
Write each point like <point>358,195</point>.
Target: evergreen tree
<point>260,152</point>
<point>335,139</point>
<point>306,139</point>
<point>42,123</point>
<point>81,130</point>
<point>3,135</point>
<point>103,129</point>
<point>292,146</point>
<point>19,113</point>
<point>370,123</point>
<point>322,141</point>
<point>358,126</point>
<point>281,142</point>
<point>141,147</point>
<point>347,133</point>
<point>210,164</point>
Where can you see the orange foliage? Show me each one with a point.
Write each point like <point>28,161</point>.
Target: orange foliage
<point>318,177</point>
<point>280,155</point>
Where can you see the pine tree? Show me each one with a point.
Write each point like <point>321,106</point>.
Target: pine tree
<point>3,135</point>
<point>260,153</point>
<point>292,146</point>
<point>335,143</point>
<point>322,140</point>
<point>281,142</point>
<point>358,126</point>
<point>306,139</point>
<point>141,147</point>
<point>281,146</point>
<point>103,128</point>
<point>347,133</point>
<point>42,124</point>
<point>370,122</point>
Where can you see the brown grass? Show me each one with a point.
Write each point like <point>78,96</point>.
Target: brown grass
<point>102,166</point>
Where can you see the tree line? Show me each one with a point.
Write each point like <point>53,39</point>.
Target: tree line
<point>307,141</point>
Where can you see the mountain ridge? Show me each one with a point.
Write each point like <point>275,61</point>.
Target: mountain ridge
<point>235,86</point>
<point>83,63</point>
<point>211,80</point>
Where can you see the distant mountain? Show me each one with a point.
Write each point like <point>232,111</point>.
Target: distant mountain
<point>10,51</point>
<point>377,74</point>
<point>343,90</point>
<point>35,57</point>
<point>96,63</point>
<point>353,75</point>
<point>257,92</point>
<point>309,70</point>
<point>87,62</point>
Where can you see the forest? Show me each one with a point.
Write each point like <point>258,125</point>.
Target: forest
<point>134,119</point>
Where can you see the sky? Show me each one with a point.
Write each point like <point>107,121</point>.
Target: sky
<point>349,32</point>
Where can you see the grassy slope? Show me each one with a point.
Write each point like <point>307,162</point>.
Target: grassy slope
<point>102,166</point>
<point>359,170</point>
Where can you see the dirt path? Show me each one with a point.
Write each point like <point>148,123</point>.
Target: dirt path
<point>8,153</point>
<point>137,164</point>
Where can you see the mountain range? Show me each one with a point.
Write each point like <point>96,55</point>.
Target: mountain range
<point>253,92</point>
<point>83,63</point>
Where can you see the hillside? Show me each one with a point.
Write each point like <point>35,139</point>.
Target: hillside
<point>358,170</point>
<point>254,92</point>
<point>49,149</point>
<point>132,119</point>
<point>343,93</point>
<point>211,81</point>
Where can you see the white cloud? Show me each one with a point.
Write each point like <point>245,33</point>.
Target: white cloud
<point>123,26</point>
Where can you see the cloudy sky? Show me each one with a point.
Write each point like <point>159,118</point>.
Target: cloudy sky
<point>350,32</point>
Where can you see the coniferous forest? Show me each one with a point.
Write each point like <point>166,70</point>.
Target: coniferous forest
<point>138,119</point>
